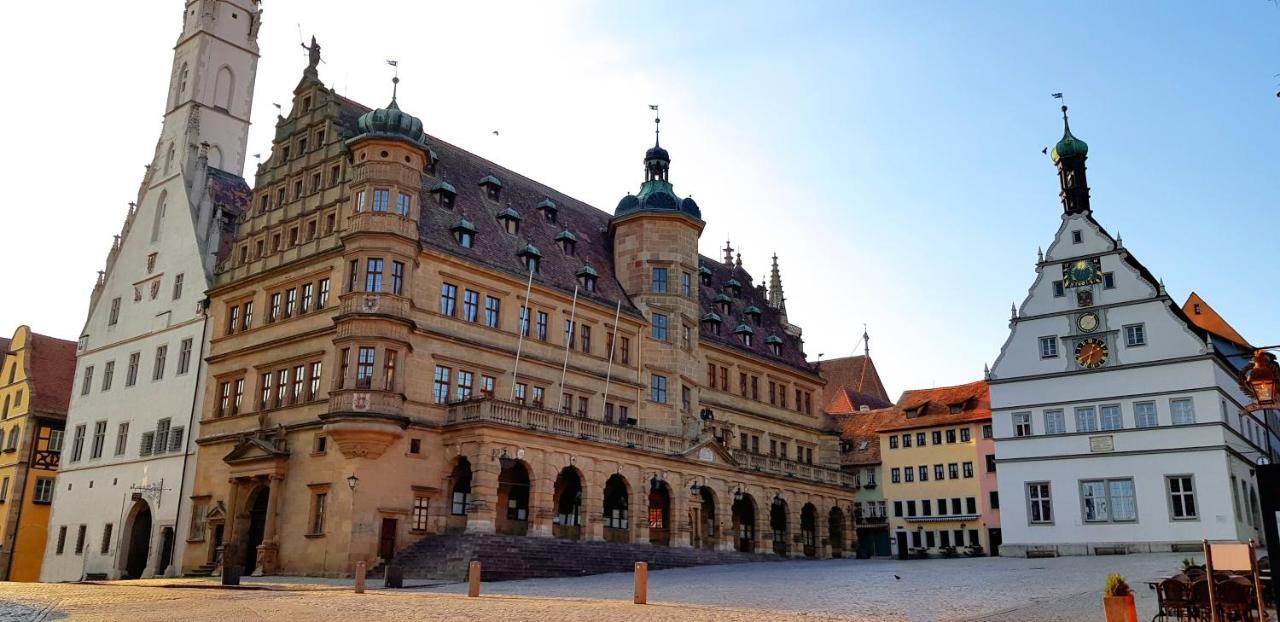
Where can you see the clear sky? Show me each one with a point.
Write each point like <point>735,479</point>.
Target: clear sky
<point>888,152</point>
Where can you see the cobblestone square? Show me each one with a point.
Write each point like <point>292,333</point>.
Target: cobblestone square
<point>957,590</point>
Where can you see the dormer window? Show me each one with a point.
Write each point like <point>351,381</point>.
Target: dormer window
<point>712,323</point>
<point>723,304</point>
<point>444,193</point>
<point>492,187</point>
<point>745,333</point>
<point>547,208</point>
<point>510,220</point>
<point>753,313</point>
<point>531,257</point>
<point>465,233</point>
<point>587,278</point>
<point>734,287</point>
<point>567,241</point>
<point>775,344</point>
<point>431,164</point>
<point>705,275</point>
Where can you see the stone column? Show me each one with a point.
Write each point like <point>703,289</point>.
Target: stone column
<point>541,503</point>
<point>638,508</point>
<point>679,517</point>
<point>268,551</point>
<point>593,505</point>
<point>795,512</point>
<point>483,511</point>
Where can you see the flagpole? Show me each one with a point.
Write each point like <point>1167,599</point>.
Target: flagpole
<point>568,340</point>
<point>522,325</point>
<point>613,345</point>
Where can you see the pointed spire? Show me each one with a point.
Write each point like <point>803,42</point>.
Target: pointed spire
<point>657,124</point>
<point>1039,255</point>
<point>776,299</point>
<point>986,371</point>
<point>1119,239</point>
<point>728,253</point>
<point>1013,311</point>
<point>866,341</point>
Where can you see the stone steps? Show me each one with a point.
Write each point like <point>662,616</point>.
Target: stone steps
<point>505,558</point>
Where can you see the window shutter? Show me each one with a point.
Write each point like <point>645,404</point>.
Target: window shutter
<point>148,439</point>
<point>175,439</point>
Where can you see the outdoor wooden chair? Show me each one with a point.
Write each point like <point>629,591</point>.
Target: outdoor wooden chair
<point>1174,601</point>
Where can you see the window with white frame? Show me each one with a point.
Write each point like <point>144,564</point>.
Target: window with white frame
<point>1055,421</point>
<point>1048,347</point>
<point>1086,419</point>
<point>1022,424</point>
<point>1112,419</point>
<point>1144,415</point>
<point>1182,497</point>
<point>1108,501</point>
<point>1182,411</point>
<point>1039,504</point>
<point>1135,335</point>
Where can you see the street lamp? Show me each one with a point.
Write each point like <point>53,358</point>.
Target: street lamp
<point>352,480</point>
<point>1261,376</point>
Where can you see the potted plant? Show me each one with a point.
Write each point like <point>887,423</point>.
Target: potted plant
<point>1117,600</point>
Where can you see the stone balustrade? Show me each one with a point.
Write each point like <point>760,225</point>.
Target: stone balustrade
<point>383,222</point>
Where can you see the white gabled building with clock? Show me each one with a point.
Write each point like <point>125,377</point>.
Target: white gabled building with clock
<point>1118,418</point>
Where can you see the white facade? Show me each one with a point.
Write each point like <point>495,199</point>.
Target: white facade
<point>128,457</point>
<point>1109,447</point>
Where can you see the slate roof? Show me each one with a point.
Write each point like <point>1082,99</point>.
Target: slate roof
<point>973,398</point>
<point>53,371</point>
<point>857,374</point>
<point>770,323</point>
<point>231,194</point>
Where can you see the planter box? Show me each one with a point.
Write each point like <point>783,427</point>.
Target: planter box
<point>1120,608</point>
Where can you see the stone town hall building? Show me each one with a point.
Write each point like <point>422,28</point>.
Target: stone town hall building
<point>410,341</point>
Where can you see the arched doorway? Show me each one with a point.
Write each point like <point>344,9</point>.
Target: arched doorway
<point>138,549</point>
<point>835,531</point>
<point>257,527</point>
<point>513,498</point>
<point>809,530</point>
<point>459,496</point>
<point>710,525</point>
<point>568,503</point>
<point>744,521</point>
<point>659,512</point>
<point>617,525</point>
<point>778,523</point>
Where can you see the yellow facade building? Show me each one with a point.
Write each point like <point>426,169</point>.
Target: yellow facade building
<point>35,387</point>
<point>934,450</point>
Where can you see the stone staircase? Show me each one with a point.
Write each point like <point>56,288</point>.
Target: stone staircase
<point>205,570</point>
<point>505,558</point>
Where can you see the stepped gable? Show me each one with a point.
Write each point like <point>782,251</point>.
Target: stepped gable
<point>771,323</point>
<point>858,376</point>
<point>53,371</point>
<point>493,246</point>
<point>231,196</point>
<point>922,408</point>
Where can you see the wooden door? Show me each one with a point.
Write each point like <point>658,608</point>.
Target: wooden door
<point>387,538</point>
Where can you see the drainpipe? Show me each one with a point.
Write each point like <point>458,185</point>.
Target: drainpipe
<point>195,398</point>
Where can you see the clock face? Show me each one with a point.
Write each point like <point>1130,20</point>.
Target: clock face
<point>1091,353</point>
<point>1087,322</point>
<point>1082,272</point>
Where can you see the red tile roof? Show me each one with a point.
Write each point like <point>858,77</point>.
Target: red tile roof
<point>857,374</point>
<point>52,365</point>
<point>923,408</point>
<point>862,427</point>
<point>1204,316</point>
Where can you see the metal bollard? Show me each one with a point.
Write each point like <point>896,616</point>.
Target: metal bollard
<point>642,583</point>
<point>473,580</point>
<point>360,572</point>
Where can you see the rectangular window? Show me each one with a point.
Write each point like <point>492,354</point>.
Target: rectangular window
<point>282,386</point>
<point>322,295</point>
<point>491,311</point>
<point>486,386</point>
<point>893,442</point>
<point>538,397</point>
<point>1182,497</point>
<point>77,443</point>
<point>419,515</point>
<point>86,383</point>
<point>1055,421</point>
<point>585,340</point>
<point>951,436</point>
<point>908,475</point>
<point>441,385</point>
<point>318,502</point>
<point>1040,506</point>
<point>273,309</point>
<point>1182,411</point>
<point>1022,424</point>
<point>568,334</point>
<point>965,435</point>
<point>1048,347</point>
<point>115,312</point>
<point>1108,280</point>
<point>968,469</point>
<point>659,328</point>
<point>290,301</point>
<point>1086,419</point>
<point>184,356</point>
<point>122,438</point>
<point>1058,290</point>
<point>524,321</point>
<point>299,381</point>
<point>986,431</point>
<point>99,439</point>
<point>970,504</point>
<point>991,463</point>
<point>1110,500</point>
<point>519,392</point>
<point>659,281</point>
<point>44,494</point>
<point>265,400</point>
<point>403,203</point>
<point>1112,419</point>
<point>364,367</point>
<point>926,508</point>
<point>304,304</point>
<point>62,536</point>
<point>895,475</point>
<point>465,378</point>
<point>937,473</point>
<point>177,286</point>
<point>380,198</point>
<point>1144,415</point>
<point>911,505</point>
<point>906,440</point>
<point>372,276</point>
<point>448,298</point>
<point>1135,335</point>
<point>470,305</point>
<point>313,391</point>
<point>247,320</point>
<point>993,498</point>
<point>542,326</point>
<point>658,389</point>
<point>162,352</point>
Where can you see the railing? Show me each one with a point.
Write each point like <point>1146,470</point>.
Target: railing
<point>383,222</point>
<point>870,519</point>
<point>553,422</point>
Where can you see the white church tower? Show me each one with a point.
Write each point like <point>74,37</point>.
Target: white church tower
<point>1119,422</point>
<point>120,507</point>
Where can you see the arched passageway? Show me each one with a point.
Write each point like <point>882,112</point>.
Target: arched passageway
<point>809,530</point>
<point>835,531</point>
<point>568,504</point>
<point>744,521</point>
<point>707,530</point>
<point>617,525</point>
<point>459,495</point>
<point>778,523</point>
<point>659,512</point>
<point>513,498</point>
<point>138,547</point>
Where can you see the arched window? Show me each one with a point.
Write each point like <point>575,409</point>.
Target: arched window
<point>215,156</point>
<point>168,159</point>
<point>183,74</point>
<point>158,218</point>
<point>223,88</point>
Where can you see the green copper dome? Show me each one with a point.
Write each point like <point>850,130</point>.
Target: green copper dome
<point>1069,146</point>
<point>391,122</point>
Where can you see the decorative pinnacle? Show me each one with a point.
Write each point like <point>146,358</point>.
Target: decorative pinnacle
<point>1039,255</point>
<point>657,121</point>
<point>728,253</point>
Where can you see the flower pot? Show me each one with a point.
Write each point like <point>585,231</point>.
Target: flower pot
<point>1120,608</point>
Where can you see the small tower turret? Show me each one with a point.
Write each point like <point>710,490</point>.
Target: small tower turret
<point>1069,156</point>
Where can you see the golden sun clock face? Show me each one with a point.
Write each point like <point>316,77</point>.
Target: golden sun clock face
<point>1082,272</point>
<point>1091,353</point>
<point>1087,322</point>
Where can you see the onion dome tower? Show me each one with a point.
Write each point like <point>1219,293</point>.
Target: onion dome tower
<point>1069,156</point>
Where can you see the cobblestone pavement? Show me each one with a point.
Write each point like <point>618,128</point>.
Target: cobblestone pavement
<point>968,590</point>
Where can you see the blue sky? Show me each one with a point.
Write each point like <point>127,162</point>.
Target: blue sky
<point>888,152</point>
